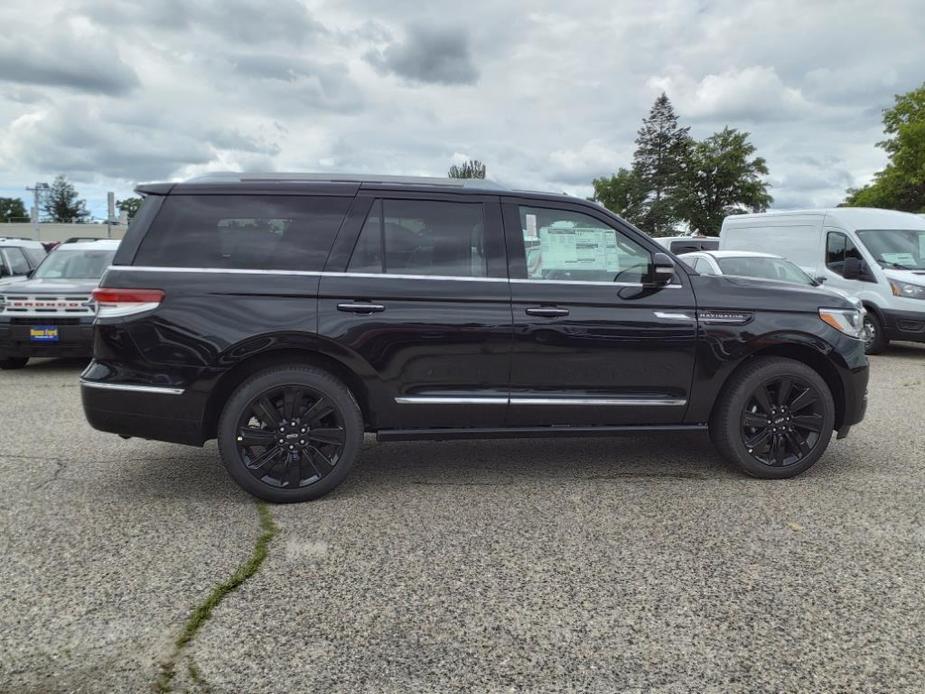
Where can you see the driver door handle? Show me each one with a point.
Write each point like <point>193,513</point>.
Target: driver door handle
<point>360,307</point>
<point>546,311</point>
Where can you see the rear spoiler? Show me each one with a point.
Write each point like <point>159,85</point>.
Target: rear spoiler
<point>154,188</point>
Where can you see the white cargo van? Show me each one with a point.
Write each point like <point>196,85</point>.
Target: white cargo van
<point>875,255</point>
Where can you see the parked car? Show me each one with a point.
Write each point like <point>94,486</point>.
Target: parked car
<point>285,315</point>
<point>18,258</point>
<point>688,244</point>
<point>875,255</point>
<point>765,266</point>
<point>51,314</point>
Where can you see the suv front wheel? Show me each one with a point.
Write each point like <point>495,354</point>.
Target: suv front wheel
<point>290,434</point>
<point>774,419</point>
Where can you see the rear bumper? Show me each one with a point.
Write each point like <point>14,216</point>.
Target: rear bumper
<point>904,325</point>
<point>73,341</point>
<point>162,412</point>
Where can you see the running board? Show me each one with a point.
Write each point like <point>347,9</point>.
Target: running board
<point>526,432</point>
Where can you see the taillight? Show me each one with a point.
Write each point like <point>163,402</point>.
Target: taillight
<point>115,303</point>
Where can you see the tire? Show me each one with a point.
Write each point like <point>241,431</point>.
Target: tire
<point>13,363</point>
<point>757,409</point>
<point>302,467</point>
<point>875,340</point>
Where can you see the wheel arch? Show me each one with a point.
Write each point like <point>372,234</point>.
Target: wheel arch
<point>804,354</point>
<point>358,384</point>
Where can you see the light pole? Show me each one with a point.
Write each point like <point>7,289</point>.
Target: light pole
<point>36,198</point>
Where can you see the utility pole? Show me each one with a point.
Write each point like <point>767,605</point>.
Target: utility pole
<point>110,212</point>
<point>36,207</point>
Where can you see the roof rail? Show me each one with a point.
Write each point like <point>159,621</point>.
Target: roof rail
<point>295,177</point>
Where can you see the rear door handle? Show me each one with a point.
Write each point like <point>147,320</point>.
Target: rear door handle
<point>547,311</point>
<point>360,307</point>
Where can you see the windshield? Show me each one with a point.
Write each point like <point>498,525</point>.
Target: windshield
<point>765,268</point>
<point>903,249</point>
<point>65,264</point>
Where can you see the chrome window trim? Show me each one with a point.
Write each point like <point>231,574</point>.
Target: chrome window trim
<point>160,390</point>
<point>515,400</point>
<point>374,275</point>
<point>673,285</point>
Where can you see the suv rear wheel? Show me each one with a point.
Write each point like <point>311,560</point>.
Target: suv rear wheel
<point>775,418</point>
<point>290,434</point>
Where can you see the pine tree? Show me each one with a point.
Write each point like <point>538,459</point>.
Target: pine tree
<point>62,204</point>
<point>657,162</point>
<point>470,169</point>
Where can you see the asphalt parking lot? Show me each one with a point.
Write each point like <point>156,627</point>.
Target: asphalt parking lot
<point>636,564</point>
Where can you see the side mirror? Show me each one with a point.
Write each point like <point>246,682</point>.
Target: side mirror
<point>661,269</point>
<point>851,269</point>
<point>820,279</point>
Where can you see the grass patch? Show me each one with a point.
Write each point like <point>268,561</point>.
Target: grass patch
<point>203,611</point>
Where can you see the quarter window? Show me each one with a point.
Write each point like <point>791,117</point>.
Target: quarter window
<point>838,248</point>
<point>422,237</point>
<point>259,232</point>
<point>566,245</point>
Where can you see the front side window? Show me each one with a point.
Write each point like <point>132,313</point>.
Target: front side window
<point>66,264</point>
<point>838,248</point>
<point>422,237</point>
<point>566,245</point>
<point>257,232</point>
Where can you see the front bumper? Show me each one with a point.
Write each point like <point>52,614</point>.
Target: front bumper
<point>904,325</point>
<point>74,340</point>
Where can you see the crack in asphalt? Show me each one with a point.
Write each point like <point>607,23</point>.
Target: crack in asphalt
<point>203,611</point>
<point>60,466</point>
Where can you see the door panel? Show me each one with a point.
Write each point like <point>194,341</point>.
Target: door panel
<point>438,343</point>
<point>622,354</point>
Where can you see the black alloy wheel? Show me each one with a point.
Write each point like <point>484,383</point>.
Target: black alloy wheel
<point>782,421</point>
<point>774,418</point>
<point>290,437</point>
<point>290,433</point>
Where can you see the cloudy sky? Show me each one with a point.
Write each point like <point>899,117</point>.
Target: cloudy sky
<point>548,94</point>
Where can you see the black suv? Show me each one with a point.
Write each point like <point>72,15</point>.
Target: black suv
<point>287,315</point>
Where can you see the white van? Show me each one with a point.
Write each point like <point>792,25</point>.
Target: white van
<point>875,255</point>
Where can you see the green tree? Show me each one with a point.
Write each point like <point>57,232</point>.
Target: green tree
<point>661,146</point>
<point>470,169</point>
<point>624,194</point>
<point>13,210</point>
<point>130,206</point>
<point>901,184</point>
<point>61,203</point>
<point>720,176</point>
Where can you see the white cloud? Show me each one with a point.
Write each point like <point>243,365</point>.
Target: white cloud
<point>115,91</point>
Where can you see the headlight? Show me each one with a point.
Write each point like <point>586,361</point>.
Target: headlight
<point>844,320</point>
<point>909,291</point>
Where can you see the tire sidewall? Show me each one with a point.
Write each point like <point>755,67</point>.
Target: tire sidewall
<point>879,343</point>
<point>739,399</point>
<point>315,379</point>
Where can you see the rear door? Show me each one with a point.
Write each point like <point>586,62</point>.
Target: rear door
<point>592,344</point>
<point>417,287</point>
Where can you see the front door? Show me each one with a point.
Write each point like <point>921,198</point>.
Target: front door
<point>423,300</point>
<point>593,344</point>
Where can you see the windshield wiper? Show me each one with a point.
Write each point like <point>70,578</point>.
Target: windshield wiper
<point>898,266</point>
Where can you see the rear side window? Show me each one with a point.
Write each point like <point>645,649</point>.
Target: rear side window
<point>17,261</point>
<point>249,232</point>
<point>422,237</point>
